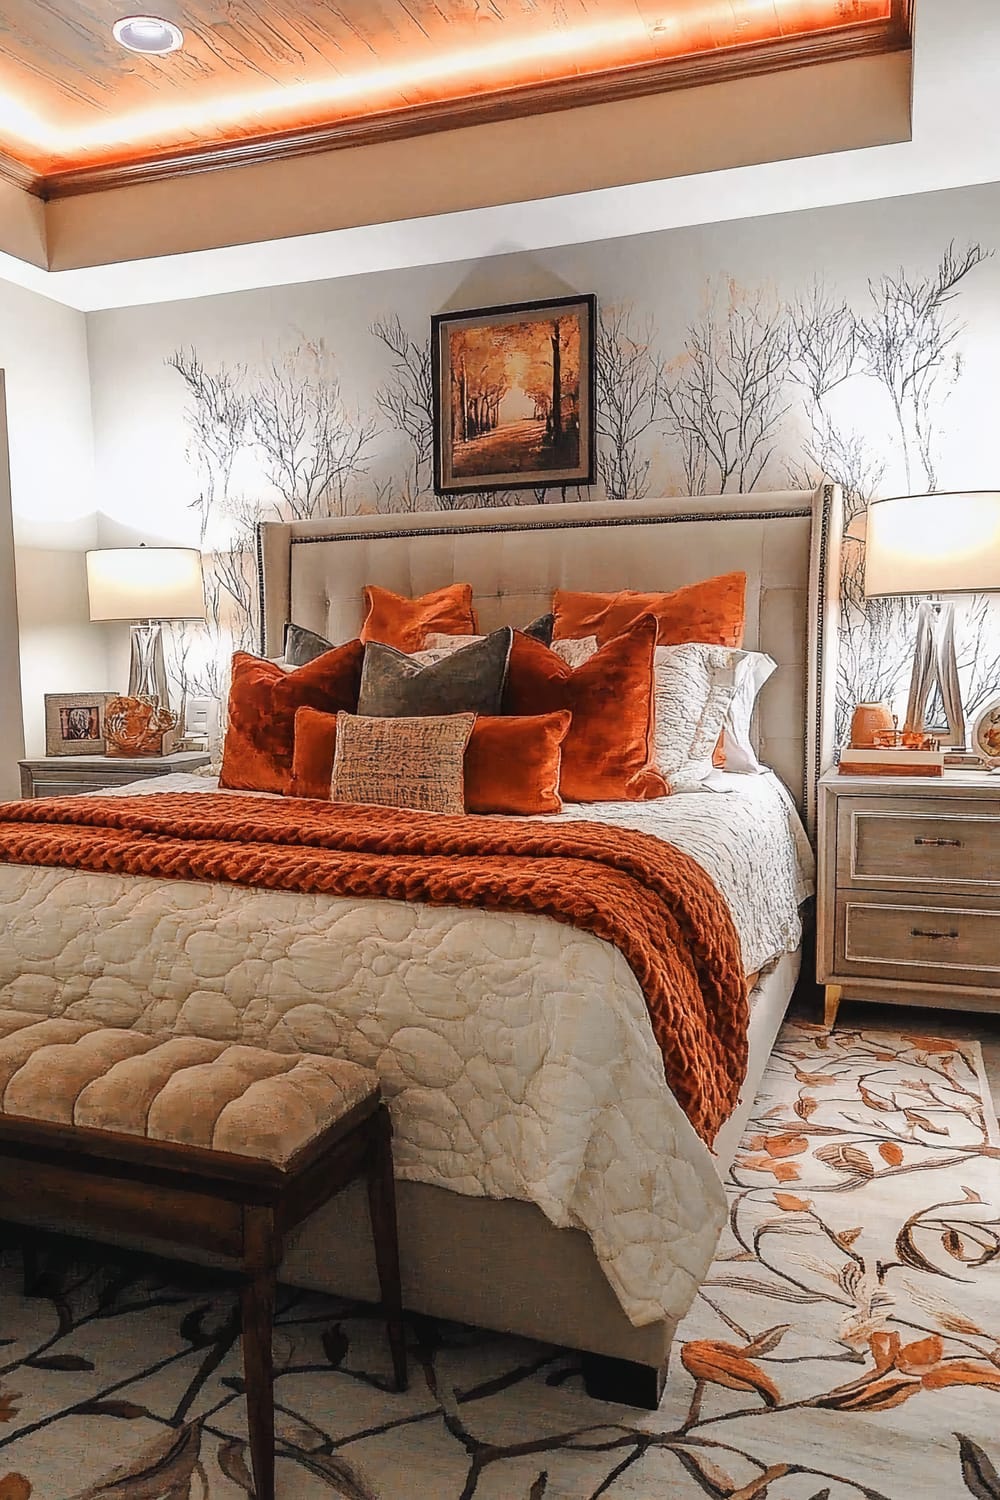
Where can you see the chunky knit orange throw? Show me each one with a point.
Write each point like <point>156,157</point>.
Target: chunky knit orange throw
<point>653,902</point>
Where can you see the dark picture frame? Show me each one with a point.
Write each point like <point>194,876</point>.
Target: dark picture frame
<point>494,372</point>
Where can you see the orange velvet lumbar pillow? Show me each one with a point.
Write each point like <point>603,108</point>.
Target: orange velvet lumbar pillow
<point>263,698</point>
<point>608,753</point>
<point>713,612</point>
<point>511,764</point>
<point>315,747</point>
<point>397,621</point>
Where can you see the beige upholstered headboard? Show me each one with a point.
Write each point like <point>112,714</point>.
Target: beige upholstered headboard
<point>314,572</point>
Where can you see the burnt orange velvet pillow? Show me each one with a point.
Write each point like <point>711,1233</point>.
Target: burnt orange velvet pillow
<point>511,764</point>
<point>312,760</point>
<point>397,621</point>
<point>713,612</point>
<point>608,752</point>
<point>260,735</point>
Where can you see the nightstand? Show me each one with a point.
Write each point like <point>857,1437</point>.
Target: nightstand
<point>69,775</point>
<point>908,901</point>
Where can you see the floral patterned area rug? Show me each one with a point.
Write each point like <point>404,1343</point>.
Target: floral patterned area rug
<point>845,1345</point>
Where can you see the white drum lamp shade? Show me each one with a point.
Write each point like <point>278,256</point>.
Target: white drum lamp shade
<point>145,583</point>
<point>934,544</point>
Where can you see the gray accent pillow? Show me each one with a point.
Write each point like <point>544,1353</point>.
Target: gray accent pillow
<point>302,645</point>
<point>541,629</point>
<point>471,680</point>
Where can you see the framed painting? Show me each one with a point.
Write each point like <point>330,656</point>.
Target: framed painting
<point>514,396</point>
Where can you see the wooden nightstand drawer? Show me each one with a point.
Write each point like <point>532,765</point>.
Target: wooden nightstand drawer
<point>918,844</point>
<point>947,942</point>
<point>64,787</point>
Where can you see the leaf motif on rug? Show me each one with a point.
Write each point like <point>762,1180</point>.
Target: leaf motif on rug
<point>845,1344</point>
<point>160,1472</point>
<point>981,1478</point>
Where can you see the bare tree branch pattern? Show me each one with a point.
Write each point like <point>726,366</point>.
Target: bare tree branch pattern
<point>629,401</point>
<point>217,417</point>
<point>406,402</point>
<point>908,343</point>
<point>725,396</point>
<point>313,447</point>
<point>759,392</point>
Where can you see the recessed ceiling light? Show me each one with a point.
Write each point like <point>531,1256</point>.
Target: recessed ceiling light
<point>148,34</point>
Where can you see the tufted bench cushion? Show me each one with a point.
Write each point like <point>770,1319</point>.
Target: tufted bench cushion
<point>194,1092</point>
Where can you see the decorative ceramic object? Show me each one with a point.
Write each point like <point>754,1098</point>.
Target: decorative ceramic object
<point>137,726</point>
<point>868,720</point>
<point>986,731</point>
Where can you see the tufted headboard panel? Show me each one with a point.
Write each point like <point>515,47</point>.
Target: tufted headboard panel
<point>314,572</point>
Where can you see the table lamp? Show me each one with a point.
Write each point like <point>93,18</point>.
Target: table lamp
<point>146,585</point>
<point>934,544</point>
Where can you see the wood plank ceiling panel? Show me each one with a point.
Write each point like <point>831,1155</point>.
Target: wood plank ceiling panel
<point>71,98</point>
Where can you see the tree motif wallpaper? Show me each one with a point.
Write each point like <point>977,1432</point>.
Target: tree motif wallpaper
<point>864,353</point>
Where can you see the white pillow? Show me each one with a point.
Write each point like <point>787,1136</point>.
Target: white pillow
<point>695,685</point>
<point>752,671</point>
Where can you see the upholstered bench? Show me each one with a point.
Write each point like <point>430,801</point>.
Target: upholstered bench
<point>203,1146</point>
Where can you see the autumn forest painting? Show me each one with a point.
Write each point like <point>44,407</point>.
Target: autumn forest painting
<point>513,396</point>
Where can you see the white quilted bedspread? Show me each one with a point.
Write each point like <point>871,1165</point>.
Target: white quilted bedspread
<point>517,1052</point>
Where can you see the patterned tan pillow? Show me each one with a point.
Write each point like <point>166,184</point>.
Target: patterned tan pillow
<point>414,763</point>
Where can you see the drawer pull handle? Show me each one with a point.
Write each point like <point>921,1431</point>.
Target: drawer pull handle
<point>939,843</point>
<point>926,932</point>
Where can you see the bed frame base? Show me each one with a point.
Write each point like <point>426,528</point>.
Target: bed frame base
<point>624,1381</point>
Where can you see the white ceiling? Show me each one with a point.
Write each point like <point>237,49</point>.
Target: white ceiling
<point>956,142</point>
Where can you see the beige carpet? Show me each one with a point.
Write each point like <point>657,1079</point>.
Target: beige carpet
<point>846,1343</point>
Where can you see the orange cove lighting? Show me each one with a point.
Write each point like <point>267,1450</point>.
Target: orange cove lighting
<point>681,30</point>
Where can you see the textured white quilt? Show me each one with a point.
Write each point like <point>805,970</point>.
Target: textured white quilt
<point>517,1052</point>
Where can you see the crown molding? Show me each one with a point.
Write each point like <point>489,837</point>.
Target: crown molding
<point>846,43</point>
<point>18,175</point>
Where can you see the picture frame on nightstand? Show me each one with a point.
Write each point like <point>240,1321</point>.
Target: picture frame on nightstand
<point>74,723</point>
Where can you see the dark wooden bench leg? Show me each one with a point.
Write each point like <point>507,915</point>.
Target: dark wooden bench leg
<point>257,1296</point>
<point>382,1206</point>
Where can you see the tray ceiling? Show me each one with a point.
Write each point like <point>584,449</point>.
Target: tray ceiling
<point>259,78</point>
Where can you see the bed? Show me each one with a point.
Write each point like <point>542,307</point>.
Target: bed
<point>491,1208</point>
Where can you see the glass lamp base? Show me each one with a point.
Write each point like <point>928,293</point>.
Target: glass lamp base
<point>147,671</point>
<point>935,675</point>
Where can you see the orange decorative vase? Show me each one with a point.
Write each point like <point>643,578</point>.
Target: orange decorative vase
<point>136,726</point>
<point>868,720</point>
